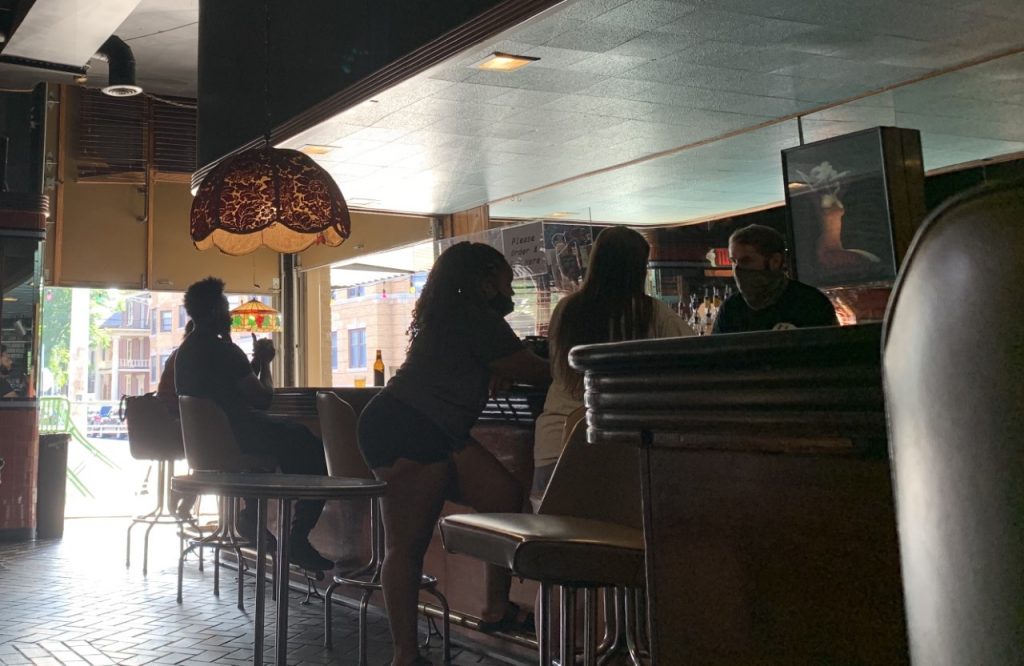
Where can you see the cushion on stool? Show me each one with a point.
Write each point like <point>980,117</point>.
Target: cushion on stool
<point>555,549</point>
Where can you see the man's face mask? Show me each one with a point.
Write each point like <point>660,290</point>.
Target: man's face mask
<point>760,288</point>
<point>502,304</point>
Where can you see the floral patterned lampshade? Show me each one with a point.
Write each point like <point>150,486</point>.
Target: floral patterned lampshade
<point>255,317</point>
<point>271,197</point>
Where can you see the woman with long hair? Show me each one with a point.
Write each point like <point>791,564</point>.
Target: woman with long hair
<point>610,306</point>
<point>415,433</point>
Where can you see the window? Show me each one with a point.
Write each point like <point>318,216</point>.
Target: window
<point>153,324</point>
<point>355,292</point>
<point>154,369</point>
<point>163,360</point>
<point>182,316</point>
<point>334,350</point>
<point>165,321</point>
<point>356,348</point>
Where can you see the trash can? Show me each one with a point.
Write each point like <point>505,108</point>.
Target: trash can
<point>52,489</point>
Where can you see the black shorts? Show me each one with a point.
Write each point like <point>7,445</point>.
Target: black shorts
<point>389,429</point>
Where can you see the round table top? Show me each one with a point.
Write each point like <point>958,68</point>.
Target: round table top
<point>277,486</point>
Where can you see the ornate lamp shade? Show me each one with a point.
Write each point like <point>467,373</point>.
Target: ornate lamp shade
<point>271,197</point>
<point>255,317</point>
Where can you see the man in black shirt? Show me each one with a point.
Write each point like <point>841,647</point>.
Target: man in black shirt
<point>767,298</point>
<point>210,365</point>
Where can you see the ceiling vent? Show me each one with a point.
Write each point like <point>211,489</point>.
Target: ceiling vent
<point>120,68</point>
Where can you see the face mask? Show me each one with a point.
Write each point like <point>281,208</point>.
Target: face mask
<point>760,289</point>
<point>502,304</point>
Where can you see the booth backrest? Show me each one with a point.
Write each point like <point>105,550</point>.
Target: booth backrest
<point>954,383</point>
<point>210,444</point>
<point>338,426</point>
<point>601,481</point>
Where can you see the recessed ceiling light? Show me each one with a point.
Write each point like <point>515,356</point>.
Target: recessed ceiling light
<point>563,213</point>
<point>10,299</point>
<point>504,62</point>
<point>310,149</point>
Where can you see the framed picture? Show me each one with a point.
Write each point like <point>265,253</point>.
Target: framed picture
<point>853,203</point>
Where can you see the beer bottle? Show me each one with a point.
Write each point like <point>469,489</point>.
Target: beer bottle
<point>378,370</point>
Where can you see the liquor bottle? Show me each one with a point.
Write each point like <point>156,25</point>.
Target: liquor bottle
<point>378,370</point>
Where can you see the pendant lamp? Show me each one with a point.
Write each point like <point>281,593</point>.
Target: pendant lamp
<point>272,197</point>
<point>255,317</point>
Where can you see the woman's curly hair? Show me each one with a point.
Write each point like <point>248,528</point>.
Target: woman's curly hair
<point>454,279</point>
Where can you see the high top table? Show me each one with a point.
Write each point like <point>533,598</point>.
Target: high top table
<point>284,488</point>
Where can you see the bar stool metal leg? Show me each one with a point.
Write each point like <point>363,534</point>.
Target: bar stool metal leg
<point>544,625</point>
<point>567,627</point>
<point>328,616</point>
<point>618,643</point>
<point>364,601</point>
<point>631,617</point>
<point>608,612</point>
<point>445,623</point>
<point>589,625</point>
<point>284,521</point>
<point>261,570</point>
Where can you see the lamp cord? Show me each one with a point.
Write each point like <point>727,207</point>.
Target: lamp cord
<point>266,72</point>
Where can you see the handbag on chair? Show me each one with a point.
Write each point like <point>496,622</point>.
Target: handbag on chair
<point>153,433</point>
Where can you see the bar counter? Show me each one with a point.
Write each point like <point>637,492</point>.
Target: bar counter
<point>768,511</point>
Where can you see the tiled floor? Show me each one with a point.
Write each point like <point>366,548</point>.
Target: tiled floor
<point>72,601</point>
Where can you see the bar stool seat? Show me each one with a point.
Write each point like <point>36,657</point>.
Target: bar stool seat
<point>210,446</point>
<point>585,536</point>
<point>561,550</point>
<point>154,435</point>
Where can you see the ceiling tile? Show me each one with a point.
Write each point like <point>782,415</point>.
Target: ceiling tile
<point>645,14</point>
<point>701,83</point>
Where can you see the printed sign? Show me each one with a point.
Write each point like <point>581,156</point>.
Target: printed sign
<point>524,249</point>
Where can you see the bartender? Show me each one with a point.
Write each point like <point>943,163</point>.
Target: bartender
<point>768,299</point>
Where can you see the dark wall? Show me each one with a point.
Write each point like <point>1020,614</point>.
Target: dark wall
<point>318,47</point>
<point>940,187</point>
<point>21,122</point>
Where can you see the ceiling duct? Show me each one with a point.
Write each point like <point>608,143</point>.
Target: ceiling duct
<point>120,68</point>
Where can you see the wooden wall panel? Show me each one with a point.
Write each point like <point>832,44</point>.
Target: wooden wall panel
<point>177,263</point>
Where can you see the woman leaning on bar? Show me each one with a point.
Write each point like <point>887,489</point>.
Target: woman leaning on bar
<point>415,433</point>
<point>610,306</point>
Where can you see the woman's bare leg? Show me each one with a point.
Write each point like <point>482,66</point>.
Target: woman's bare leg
<point>410,509</point>
<point>484,484</point>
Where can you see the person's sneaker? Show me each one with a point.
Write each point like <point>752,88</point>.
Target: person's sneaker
<point>302,553</point>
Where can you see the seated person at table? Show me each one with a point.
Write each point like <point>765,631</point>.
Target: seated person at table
<point>415,433</point>
<point>610,306</point>
<point>210,365</point>
<point>166,390</point>
<point>767,298</point>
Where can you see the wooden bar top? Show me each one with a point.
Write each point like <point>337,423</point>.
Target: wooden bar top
<point>795,390</point>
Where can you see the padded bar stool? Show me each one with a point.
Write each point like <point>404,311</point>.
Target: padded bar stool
<point>154,435</point>
<point>210,446</point>
<point>338,427</point>
<point>586,536</point>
